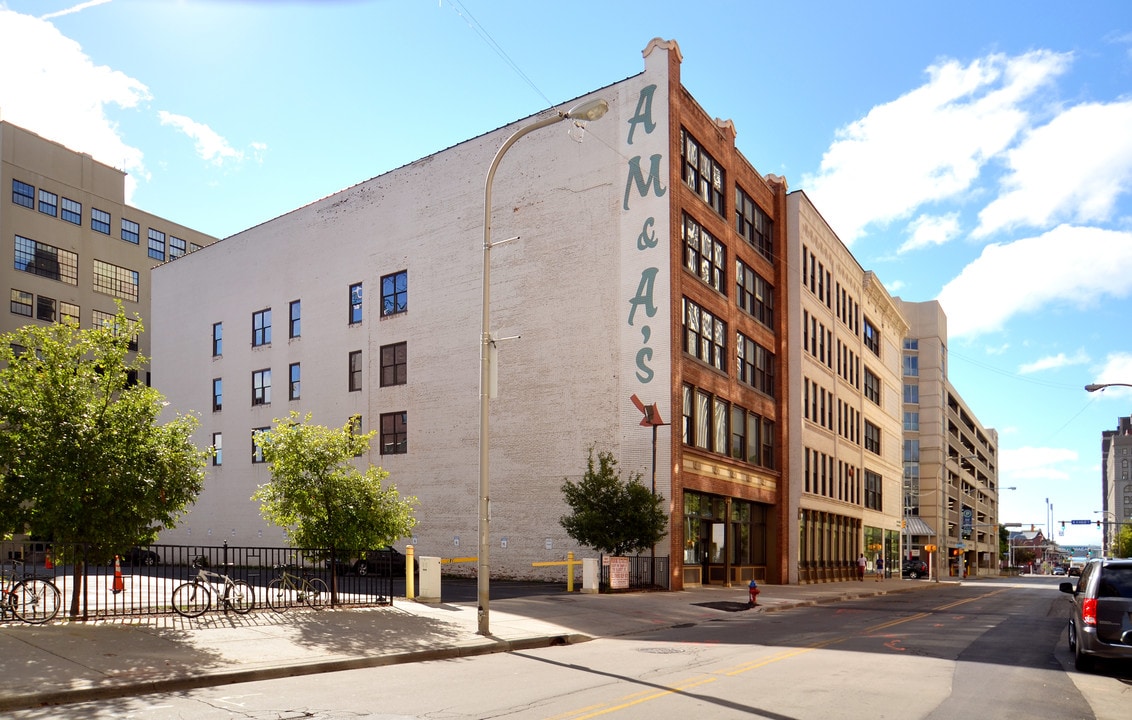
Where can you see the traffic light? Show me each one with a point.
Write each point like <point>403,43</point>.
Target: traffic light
<point>1098,523</point>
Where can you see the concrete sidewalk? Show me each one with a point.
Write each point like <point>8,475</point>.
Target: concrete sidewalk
<point>66,662</point>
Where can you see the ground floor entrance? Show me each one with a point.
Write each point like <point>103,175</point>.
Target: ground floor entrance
<point>725,540</point>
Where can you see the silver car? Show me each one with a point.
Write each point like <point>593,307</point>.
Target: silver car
<point>1101,624</point>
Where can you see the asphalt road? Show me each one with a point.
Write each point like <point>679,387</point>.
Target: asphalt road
<point>986,650</point>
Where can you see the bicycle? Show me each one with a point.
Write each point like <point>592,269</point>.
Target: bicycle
<point>194,598</point>
<point>288,590</point>
<point>32,599</point>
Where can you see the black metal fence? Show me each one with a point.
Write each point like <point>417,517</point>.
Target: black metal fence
<point>143,579</point>
<point>644,573</point>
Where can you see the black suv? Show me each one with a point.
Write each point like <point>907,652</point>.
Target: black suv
<point>912,568</point>
<point>1101,623</point>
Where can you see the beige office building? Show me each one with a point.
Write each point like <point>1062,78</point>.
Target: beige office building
<point>950,459</point>
<point>844,405</point>
<point>74,243</point>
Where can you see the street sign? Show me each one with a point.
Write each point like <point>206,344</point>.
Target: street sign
<point>1081,522</point>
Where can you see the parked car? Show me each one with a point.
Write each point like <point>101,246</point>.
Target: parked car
<point>1101,623</point>
<point>385,562</point>
<point>141,556</point>
<point>1059,570</point>
<point>912,568</point>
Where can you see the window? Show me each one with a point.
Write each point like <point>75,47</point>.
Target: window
<point>68,312</point>
<point>45,309</point>
<point>753,225</point>
<point>294,328</point>
<point>872,386</point>
<point>394,364</point>
<point>756,364</point>
<point>48,203</point>
<point>873,491</point>
<point>21,303</point>
<point>100,221</point>
<point>704,256</point>
<point>257,451</point>
<point>911,365</point>
<point>217,449</point>
<point>712,423</point>
<point>912,421</point>
<point>116,281</point>
<point>911,343</point>
<point>156,244</point>
<point>355,303</point>
<point>130,231</point>
<point>261,328</point>
<point>872,337</point>
<point>394,436</point>
<point>107,320</point>
<point>217,339</point>
<point>705,337</point>
<point>872,438</point>
<point>23,194</point>
<point>261,387</point>
<point>355,370</point>
<point>754,294</point>
<point>176,247</point>
<point>72,211</point>
<point>217,394</point>
<point>47,261</point>
<point>395,293</point>
<point>701,172</point>
<point>293,383</point>
<point>911,394</point>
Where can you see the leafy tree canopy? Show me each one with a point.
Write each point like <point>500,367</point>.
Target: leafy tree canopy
<point>320,496</point>
<point>83,458</point>
<point>611,515</point>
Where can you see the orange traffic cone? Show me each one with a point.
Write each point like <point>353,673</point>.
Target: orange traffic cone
<point>119,584</point>
<point>47,564</point>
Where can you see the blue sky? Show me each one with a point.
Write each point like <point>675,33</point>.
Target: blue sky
<point>979,153</point>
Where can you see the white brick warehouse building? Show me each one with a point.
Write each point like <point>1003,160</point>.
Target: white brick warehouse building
<point>368,302</point>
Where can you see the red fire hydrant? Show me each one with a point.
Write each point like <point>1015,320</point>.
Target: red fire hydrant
<point>753,591</point>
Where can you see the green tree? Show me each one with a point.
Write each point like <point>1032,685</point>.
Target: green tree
<point>319,495</point>
<point>83,459</point>
<point>611,515</point>
<point>1122,542</point>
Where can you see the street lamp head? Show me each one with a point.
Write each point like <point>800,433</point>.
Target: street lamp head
<point>589,110</point>
<point>1093,387</point>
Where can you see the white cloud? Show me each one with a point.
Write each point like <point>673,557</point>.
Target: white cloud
<point>75,117</point>
<point>1072,169</point>
<point>1117,368</point>
<point>1053,362</point>
<point>1034,463</point>
<point>209,145</point>
<point>1013,278</point>
<point>929,230</point>
<point>930,144</point>
<point>74,9</point>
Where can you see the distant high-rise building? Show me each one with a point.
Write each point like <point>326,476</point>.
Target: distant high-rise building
<point>74,245</point>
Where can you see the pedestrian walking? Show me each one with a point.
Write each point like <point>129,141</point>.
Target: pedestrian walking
<point>861,563</point>
<point>880,567</point>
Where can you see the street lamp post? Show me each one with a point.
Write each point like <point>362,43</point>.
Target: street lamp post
<point>591,110</point>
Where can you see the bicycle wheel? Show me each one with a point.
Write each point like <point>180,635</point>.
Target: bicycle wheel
<point>315,593</point>
<point>280,595</point>
<point>191,599</point>
<point>239,597</point>
<point>36,601</point>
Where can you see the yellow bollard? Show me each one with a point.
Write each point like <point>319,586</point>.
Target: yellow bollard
<point>410,581</point>
<point>570,571</point>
